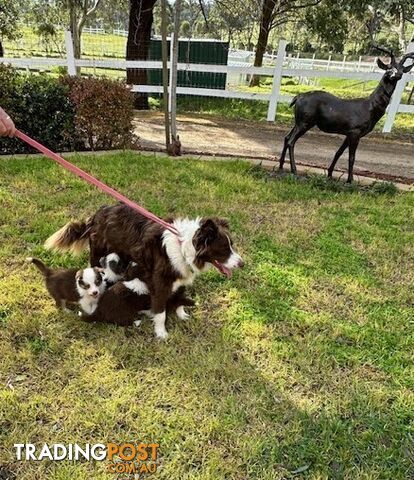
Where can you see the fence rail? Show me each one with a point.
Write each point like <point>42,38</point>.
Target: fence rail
<point>284,66</point>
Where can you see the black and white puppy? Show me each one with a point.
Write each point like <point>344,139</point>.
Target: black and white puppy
<point>114,268</point>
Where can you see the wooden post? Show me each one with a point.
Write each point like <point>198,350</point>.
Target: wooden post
<point>277,78</point>
<point>70,54</point>
<point>165,74</point>
<point>173,68</point>
<point>396,97</point>
<point>171,72</point>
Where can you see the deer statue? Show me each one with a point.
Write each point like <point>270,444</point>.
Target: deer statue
<point>352,118</point>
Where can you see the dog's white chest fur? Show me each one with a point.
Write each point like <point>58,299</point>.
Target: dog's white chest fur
<point>181,252</point>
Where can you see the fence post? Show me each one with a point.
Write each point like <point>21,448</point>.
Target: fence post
<point>170,81</point>
<point>277,78</point>
<point>70,56</point>
<point>329,62</point>
<point>396,97</point>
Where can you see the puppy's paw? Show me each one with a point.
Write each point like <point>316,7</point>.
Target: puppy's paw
<point>137,323</point>
<point>182,314</point>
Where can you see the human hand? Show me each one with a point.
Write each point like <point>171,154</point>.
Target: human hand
<point>7,128</point>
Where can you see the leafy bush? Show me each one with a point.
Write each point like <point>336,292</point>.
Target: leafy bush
<point>40,107</point>
<point>66,113</point>
<point>104,111</point>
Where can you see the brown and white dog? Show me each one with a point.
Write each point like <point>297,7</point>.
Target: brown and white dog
<point>71,285</point>
<point>164,261</point>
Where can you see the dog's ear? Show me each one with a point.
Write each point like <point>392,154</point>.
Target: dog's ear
<point>78,274</point>
<point>102,262</point>
<point>208,230</point>
<point>223,222</point>
<point>205,235</point>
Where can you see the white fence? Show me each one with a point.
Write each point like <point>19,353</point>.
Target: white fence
<point>296,61</point>
<point>283,68</point>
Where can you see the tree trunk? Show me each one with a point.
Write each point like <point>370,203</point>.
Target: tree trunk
<point>265,27</point>
<point>402,39</point>
<point>138,43</point>
<point>75,32</point>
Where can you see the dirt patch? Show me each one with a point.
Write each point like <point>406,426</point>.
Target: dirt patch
<point>199,134</point>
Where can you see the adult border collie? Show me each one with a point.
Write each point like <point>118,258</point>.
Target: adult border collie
<point>164,261</point>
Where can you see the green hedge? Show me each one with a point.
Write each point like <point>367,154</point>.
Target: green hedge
<point>66,114</point>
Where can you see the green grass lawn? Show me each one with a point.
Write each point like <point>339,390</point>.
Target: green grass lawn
<point>300,366</point>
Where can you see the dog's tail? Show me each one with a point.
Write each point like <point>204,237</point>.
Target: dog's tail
<point>40,265</point>
<point>73,237</point>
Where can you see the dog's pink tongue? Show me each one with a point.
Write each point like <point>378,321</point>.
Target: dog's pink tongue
<point>222,269</point>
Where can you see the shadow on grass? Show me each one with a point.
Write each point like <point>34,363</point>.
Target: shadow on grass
<point>225,398</point>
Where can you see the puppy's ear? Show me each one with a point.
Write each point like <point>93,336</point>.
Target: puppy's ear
<point>78,274</point>
<point>102,262</point>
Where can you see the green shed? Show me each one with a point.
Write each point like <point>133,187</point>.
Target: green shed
<point>208,51</point>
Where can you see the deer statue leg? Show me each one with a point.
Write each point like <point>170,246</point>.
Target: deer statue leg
<point>353,145</point>
<point>297,132</point>
<point>285,147</point>
<point>337,156</point>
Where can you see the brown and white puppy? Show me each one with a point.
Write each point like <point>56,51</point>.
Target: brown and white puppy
<point>122,304</point>
<point>164,261</point>
<point>71,285</point>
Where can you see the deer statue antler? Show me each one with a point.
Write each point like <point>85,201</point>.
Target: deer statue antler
<point>387,51</point>
<point>406,57</point>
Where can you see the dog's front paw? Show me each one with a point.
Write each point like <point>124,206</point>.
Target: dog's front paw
<point>161,333</point>
<point>182,314</point>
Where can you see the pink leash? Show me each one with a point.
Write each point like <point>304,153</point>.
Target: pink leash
<point>93,181</point>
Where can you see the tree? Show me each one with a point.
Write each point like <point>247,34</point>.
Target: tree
<point>329,24</point>
<point>67,13</point>
<point>79,12</point>
<point>9,16</point>
<point>275,13</point>
<point>402,13</point>
<point>141,18</point>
